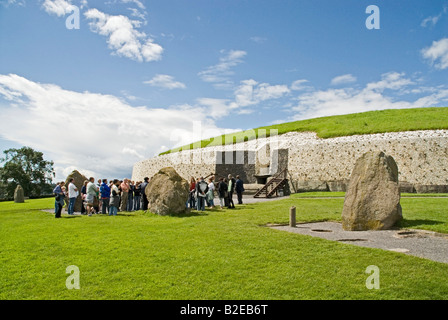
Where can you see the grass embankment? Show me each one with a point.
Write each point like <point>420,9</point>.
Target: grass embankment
<point>394,120</point>
<point>215,255</point>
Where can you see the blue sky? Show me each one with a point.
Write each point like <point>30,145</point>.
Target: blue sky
<point>138,76</point>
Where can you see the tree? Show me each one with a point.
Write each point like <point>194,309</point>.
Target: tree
<point>28,168</point>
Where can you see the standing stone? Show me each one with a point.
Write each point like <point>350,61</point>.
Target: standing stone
<point>79,182</point>
<point>372,201</point>
<point>19,196</point>
<point>167,193</point>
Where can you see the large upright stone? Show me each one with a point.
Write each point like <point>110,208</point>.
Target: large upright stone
<point>372,201</point>
<point>19,196</point>
<point>79,182</point>
<point>167,192</point>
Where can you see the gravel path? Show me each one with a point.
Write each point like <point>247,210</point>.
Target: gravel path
<point>419,243</point>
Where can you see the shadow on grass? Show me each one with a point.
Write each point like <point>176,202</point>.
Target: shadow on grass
<point>239,207</point>
<point>180,215</point>
<point>418,222</point>
<point>190,214</point>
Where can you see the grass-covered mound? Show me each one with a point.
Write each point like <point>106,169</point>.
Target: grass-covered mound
<point>394,120</point>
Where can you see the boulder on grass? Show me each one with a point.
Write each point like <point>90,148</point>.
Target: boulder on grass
<point>19,196</point>
<point>372,201</point>
<point>167,193</point>
<point>79,182</point>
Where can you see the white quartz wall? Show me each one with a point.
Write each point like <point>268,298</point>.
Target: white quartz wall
<point>421,156</point>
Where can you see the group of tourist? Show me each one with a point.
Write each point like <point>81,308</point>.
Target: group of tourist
<point>109,197</point>
<point>106,197</point>
<point>203,192</point>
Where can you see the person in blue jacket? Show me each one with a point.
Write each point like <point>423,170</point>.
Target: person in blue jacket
<point>105,196</point>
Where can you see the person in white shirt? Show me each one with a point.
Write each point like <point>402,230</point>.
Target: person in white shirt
<point>211,192</point>
<point>92,192</point>
<point>72,196</point>
<point>114,198</point>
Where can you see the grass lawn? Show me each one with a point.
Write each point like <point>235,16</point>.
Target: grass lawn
<point>394,120</point>
<point>215,255</point>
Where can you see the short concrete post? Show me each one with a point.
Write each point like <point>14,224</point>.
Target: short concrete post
<point>292,217</point>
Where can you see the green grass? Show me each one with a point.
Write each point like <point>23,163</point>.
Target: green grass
<point>394,120</point>
<point>216,255</point>
<point>322,194</point>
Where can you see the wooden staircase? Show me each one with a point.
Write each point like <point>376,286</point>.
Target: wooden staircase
<point>272,187</point>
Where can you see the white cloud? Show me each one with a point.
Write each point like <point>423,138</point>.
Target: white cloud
<point>391,81</point>
<point>372,97</point>
<point>221,71</point>
<point>128,96</point>
<point>136,2</point>
<point>259,40</point>
<point>138,14</point>
<point>165,81</point>
<point>217,108</point>
<point>57,7</point>
<point>432,20</point>
<point>299,85</point>
<point>7,3</point>
<point>123,37</point>
<point>346,78</point>
<point>437,54</point>
<point>250,92</point>
<point>92,132</point>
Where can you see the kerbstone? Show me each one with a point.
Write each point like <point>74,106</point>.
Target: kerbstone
<point>372,201</point>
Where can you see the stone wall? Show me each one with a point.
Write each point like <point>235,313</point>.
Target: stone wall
<point>421,156</point>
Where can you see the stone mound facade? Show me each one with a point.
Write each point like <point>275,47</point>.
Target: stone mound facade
<point>315,164</point>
